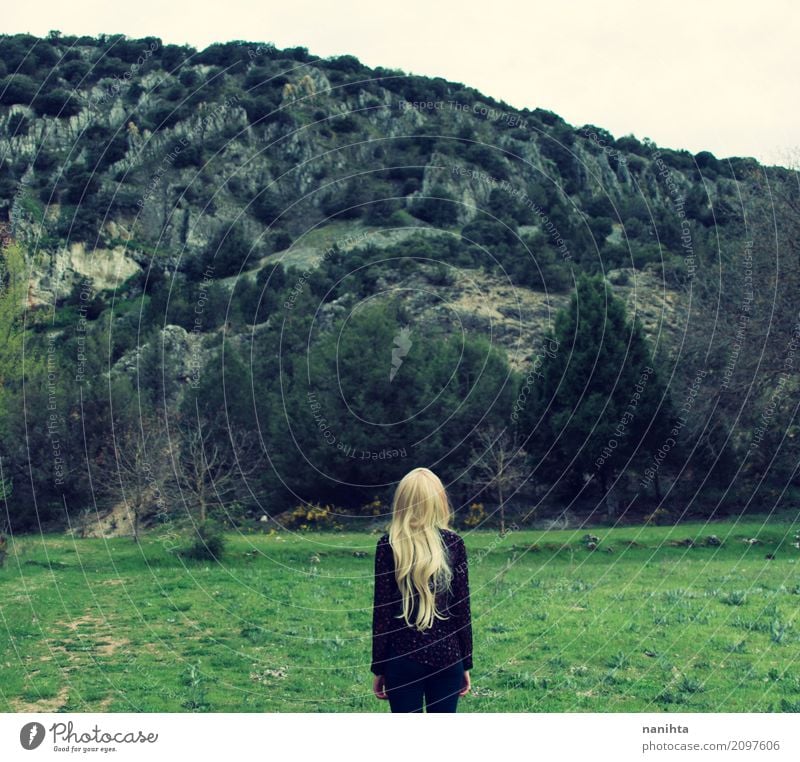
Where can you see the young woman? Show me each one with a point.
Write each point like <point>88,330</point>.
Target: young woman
<point>421,622</point>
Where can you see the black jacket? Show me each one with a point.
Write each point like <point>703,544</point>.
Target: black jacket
<point>448,640</point>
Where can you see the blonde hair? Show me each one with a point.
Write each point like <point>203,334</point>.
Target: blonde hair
<point>419,509</point>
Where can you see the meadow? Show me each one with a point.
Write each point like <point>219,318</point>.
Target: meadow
<point>652,619</point>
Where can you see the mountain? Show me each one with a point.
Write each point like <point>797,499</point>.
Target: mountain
<point>137,174</point>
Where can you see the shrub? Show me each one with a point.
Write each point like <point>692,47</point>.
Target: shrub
<point>262,108</point>
<point>109,66</point>
<point>629,144</point>
<point>208,544</point>
<point>188,77</point>
<point>173,57</point>
<point>346,63</point>
<point>404,172</point>
<point>380,212</point>
<point>488,158</point>
<point>348,203</point>
<point>262,81</point>
<point>344,124</point>
<point>707,161</point>
<point>489,233</point>
<point>439,208</point>
<point>281,241</point>
<point>267,207</point>
<point>476,515</point>
<point>229,251</point>
<point>165,115</point>
<point>556,146</point>
<point>312,516</point>
<point>17,89</point>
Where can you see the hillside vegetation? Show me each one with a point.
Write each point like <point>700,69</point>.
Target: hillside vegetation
<point>245,278</point>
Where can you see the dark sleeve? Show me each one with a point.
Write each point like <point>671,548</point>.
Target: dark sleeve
<point>462,605</point>
<point>382,606</point>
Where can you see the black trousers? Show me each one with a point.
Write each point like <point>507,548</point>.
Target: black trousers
<point>408,682</point>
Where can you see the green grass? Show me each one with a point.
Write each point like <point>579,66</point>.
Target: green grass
<point>284,623</point>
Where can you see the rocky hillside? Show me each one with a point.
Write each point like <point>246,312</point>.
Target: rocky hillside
<point>124,156</point>
<point>201,237</point>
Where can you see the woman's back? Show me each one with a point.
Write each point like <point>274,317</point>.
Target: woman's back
<point>448,640</point>
<point>421,621</point>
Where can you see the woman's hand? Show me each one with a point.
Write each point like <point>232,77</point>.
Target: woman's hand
<point>466,685</point>
<point>379,687</point>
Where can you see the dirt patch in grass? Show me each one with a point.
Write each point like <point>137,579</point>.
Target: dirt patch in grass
<point>91,631</point>
<point>52,704</point>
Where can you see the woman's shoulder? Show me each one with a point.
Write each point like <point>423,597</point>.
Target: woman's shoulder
<point>451,537</point>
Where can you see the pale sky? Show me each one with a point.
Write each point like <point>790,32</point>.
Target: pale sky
<point>695,74</point>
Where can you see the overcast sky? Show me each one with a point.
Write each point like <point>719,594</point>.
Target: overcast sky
<point>697,74</point>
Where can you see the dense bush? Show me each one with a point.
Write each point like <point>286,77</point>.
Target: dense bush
<point>18,88</point>
<point>510,209</point>
<point>382,211</point>
<point>264,82</point>
<point>262,108</point>
<point>347,64</point>
<point>56,102</point>
<point>437,208</point>
<point>267,207</point>
<point>108,66</point>
<point>173,56</point>
<point>19,53</point>
<point>344,124</point>
<point>600,228</point>
<point>556,146</point>
<point>489,158</point>
<point>349,202</point>
<point>490,234</point>
<point>226,54</point>
<point>629,144</point>
<point>79,223</point>
<point>164,115</point>
<point>229,251</point>
<point>75,72</point>
<point>208,543</point>
<point>103,146</point>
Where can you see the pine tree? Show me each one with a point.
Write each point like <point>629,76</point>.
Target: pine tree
<point>598,400</point>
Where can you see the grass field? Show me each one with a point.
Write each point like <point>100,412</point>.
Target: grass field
<point>284,623</point>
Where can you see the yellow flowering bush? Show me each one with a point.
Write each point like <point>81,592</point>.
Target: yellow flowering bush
<point>476,515</point>
<point>313,516</point>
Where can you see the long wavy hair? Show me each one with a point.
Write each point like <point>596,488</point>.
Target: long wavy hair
<point>422,568</point>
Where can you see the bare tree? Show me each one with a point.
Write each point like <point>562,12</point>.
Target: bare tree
<point>133,468</point>
<point>499,465</point>
<point>211,463</point>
